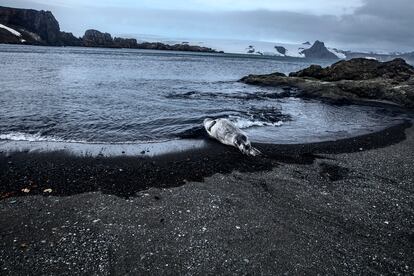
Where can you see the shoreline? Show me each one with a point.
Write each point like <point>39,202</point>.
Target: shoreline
<point>126,174</point>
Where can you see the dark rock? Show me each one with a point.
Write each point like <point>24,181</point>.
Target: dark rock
<point>40,25</point>
<point>176,47</point>
<point>319,51</point>
<point>313,71</point>
<point>282,50</point>
<point>94,38</point>
<point>359,69</point>
<point>125,42</point>
<point>349,81</point>
<point>8,37</point>
<point>251,49</point>
<point>68,39</point>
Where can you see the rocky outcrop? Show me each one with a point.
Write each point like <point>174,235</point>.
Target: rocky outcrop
<point>94,38</point>
<point>68,39</point>
<point>349,81</point>
<point>41,23</point>
<point>359,69</point>
<point>176,47</point>
<point>319,51</point>
<point>282,50</point>
<point>125,42</point>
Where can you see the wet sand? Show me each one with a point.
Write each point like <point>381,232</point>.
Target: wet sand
<point>341,207</point>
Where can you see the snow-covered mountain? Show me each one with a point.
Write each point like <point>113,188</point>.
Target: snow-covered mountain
<point>248,46</point>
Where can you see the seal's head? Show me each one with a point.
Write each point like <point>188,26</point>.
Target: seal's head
<point>243,143</point>
<point>209,123</point>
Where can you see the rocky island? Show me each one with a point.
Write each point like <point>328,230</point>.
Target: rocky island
<point>32,27</point>
<point>353,80</point>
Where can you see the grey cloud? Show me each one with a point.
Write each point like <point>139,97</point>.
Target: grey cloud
<point>378,24</point>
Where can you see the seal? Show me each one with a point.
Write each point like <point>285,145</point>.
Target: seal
<point>227,133</point>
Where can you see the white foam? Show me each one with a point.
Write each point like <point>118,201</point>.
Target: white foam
<point>246,123</point>
<point>13,31</point>
<point>20,136</point>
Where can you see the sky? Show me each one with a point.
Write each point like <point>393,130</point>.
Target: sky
<point>347,24</point>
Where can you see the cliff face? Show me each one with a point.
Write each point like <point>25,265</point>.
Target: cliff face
<point>39,26</point>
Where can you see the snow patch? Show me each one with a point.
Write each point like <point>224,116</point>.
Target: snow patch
<point>337,53</point>
<point>13,31</point>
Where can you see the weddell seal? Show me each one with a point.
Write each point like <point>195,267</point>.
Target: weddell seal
<point>227,133</point>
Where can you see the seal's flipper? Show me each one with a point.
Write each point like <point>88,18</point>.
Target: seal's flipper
<point>254,152</point>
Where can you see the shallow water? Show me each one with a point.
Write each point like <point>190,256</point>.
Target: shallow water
<point>129,96</point>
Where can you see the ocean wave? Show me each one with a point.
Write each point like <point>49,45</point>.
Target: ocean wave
<point>20,136</point>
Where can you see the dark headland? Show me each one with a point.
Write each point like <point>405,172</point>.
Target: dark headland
<point>42,28</point>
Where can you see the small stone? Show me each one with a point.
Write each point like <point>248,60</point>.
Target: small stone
<point>26,190</point>
<point>237,227</point>
<point>47,190</point>
<point>95,221</point>
<point>386,222</point>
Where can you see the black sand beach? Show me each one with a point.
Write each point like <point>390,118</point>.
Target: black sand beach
<point>343,207</point>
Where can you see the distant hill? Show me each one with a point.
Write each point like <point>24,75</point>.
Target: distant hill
<point>318,50</point>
